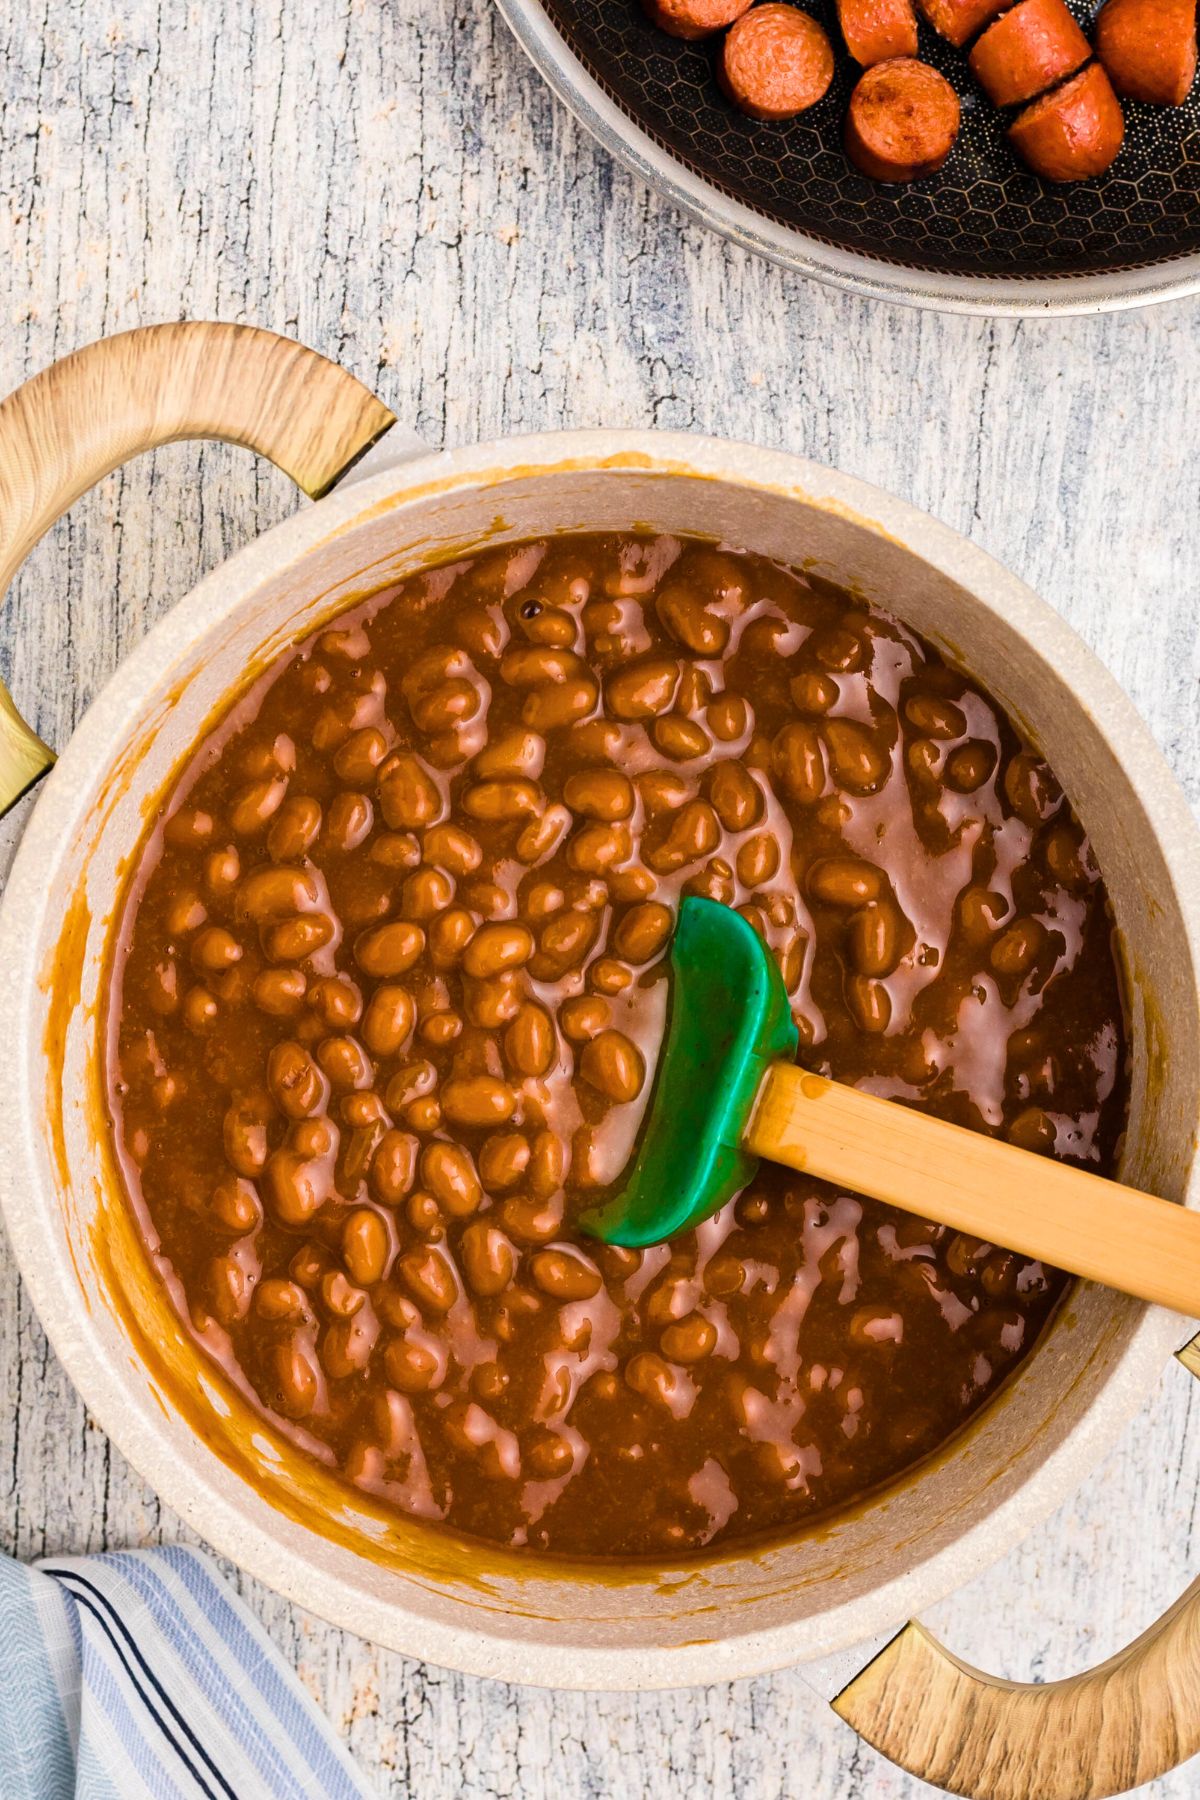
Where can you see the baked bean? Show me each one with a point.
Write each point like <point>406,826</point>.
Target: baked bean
<point>613,1066</point>
<point>296,1383</point>
<point>814,693</point>
<point>244,1134</point>
<point>1016,949</point>
<point>870,1003</point>
<point>661,1382</point>
<point>389,949</point>
<point>356,761</point>
<point>388,1021</point>
<point>798,762</point>
<point>294,940</point>
<point>563,942</point>
<point>596,848</point>
<point>277,1299</point>
<point>603,794</point>
<point>758,860</point>
<point>415,1365</point>
<point>542,836</point>
<point>294,828</point>
<point>532,1221</point>
<point>728,717</point>
<point>968,767</point>
<point>724,1276</point>
<point>426,893</point>
<point>679,737</point>
<point>493,1002</point>
<point>496,801</point>
<point>643,689</point>
<point>690,1340</point>
<point>643,931</point>
<point>858,762</point>
<point>515,753</point>
<point>449,1174</point>
<point>295,1189</point>
<point>935,717</point>
<point>534,665</point>
<point>548,708</point>
<point>630,884</point>
<point>565,1275</point>
<point>276,893</point>
<point>844,881</point>
<point>449,935</point>
<point>584,1017</point>
<point>440,1029</point>
<point>189,827</point>
<point>221,871</point>
<point>280,992</point>
<point>693,832</point>
<point>980,911</point>
<point>608,976</point>
<point>429,1278</point>
<point>235,1203</point>
<point>252,809</point>
<point>450,848</point>
<point>529,1044</point>
<point>875,939</point>
<point>477,1101</point>
<point>344,1061</point>
<point>339,1296</point>
<point>596,740</point>
<point>338,1001</point>
<point>495,948</point>
<point>736,797</point>
<point>408,794</point>
<point>296,1084</point>
<point>691,622</point>
<point>394,1167</point>
<point>185,914</point>
<point>1031,789</point>
<point>503,1159</point>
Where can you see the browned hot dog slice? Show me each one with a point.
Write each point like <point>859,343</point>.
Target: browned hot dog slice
<point>776,62</point>
<point>1028,50</point>
<point>1148,48</point>
<point>1073,133</point>
<point>876,30</point>
<point>694,18</point>
<point>959,20</point>
<point>902,122</point>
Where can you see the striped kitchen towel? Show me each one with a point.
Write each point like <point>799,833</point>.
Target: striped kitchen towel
<point>141,1676</point>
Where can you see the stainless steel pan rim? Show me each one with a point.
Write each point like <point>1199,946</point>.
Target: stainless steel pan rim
<point>853,273</point>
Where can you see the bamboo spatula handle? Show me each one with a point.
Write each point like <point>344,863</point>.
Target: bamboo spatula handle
<point>1128,1240</point>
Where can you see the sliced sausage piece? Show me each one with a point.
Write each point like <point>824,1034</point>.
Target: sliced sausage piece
<point>958,20</point>
<point>1027,50</point>
<point>693,18</point>
<point>876,30</point>
<point>776,62</point>
<point>902,122</point>
<point>1074,132</point>
<point>1148,48</point>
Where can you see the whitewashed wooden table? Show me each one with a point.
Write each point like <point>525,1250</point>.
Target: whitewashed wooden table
<point>386,180</point>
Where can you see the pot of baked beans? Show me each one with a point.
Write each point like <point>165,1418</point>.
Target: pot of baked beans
<point>335,953</point>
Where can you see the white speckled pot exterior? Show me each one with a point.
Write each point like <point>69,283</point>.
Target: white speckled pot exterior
<point>531,1621</point>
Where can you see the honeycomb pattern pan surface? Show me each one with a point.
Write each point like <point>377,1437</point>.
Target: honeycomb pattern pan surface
<point>982,234</point>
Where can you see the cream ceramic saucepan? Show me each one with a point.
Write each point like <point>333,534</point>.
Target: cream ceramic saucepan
<point>481,1609</point>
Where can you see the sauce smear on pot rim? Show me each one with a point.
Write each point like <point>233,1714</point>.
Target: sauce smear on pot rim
<point>387,995</point>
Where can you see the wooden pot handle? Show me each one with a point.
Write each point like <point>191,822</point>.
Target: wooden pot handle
<point>1100,1733</point>
<point>71,425</point>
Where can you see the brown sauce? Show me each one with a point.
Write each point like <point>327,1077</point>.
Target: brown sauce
<point>388,991</point>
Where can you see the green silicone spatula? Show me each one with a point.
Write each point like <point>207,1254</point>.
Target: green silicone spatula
<point>727,1092</point>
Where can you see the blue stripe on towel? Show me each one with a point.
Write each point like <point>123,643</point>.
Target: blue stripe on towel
<point>139,1675</point>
